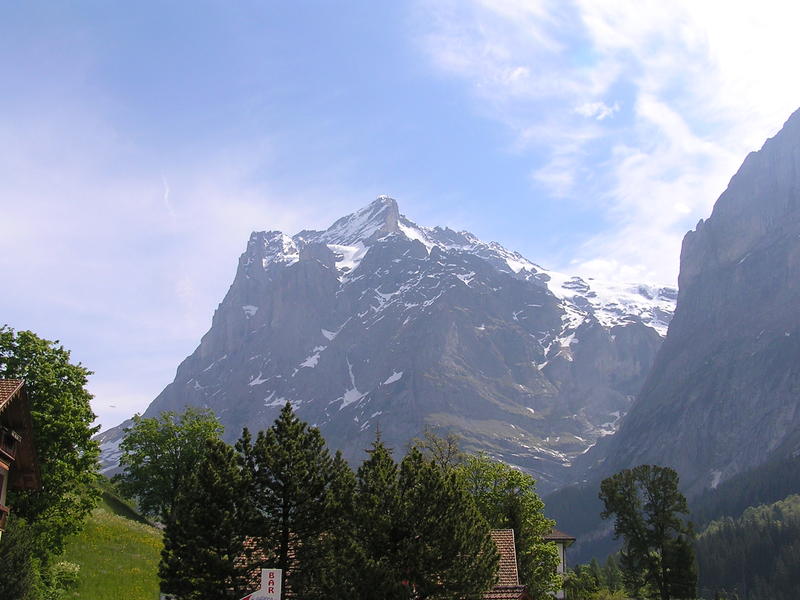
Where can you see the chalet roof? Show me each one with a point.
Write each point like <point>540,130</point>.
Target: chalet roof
<point>8,389</point>
<point>559,536</point>
<point>507,587</point>
<point>504,540</point>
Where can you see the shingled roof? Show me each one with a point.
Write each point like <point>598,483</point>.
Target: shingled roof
<point>559,536</point>
<point>507,587</point>
<point>8,389</point>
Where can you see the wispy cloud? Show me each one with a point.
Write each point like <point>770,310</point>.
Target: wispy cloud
<point>659,101</point>
<point>597,110</point>
<point>125,268</point>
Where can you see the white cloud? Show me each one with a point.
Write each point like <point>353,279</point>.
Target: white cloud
<point>108,257</point>
<point>692,87</point>
<point>597,110</point>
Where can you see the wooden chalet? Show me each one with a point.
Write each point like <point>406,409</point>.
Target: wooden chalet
<point>19,468</point>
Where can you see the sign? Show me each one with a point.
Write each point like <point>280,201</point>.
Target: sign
<point>270,586</point>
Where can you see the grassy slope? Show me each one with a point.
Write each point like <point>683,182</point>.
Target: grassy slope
<point>118,554</point>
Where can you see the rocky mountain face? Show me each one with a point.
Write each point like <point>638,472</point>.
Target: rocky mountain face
<point>380,323</point>
<point>724,392</point>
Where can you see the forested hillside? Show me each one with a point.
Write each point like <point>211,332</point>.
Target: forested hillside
<point>754,557</point>
<point>763,485</point>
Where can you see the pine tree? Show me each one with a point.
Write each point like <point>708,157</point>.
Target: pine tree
<point>445,548</point>
<point>340,555</point>
<point>204,555</point>
<point>377,531</point>
<point>291,471</point>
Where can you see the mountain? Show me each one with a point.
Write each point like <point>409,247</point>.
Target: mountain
<point>724,393</point>
<point>378,322</point>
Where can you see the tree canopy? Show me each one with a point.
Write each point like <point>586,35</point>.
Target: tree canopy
<point>204,555</point>
<point>657,557</point>
<point>158,453</point>
<point>62,429</point>
<point>292,469</point>
<point>507,499</point>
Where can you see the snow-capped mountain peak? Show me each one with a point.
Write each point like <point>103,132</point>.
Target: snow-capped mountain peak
<point>378,319</point>
<point>378,218</point>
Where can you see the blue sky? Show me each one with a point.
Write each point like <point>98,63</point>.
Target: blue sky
<point>140,144</point>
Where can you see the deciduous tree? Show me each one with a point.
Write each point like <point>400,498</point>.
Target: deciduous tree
<point>62,427</point>
<point>158,453</point>
<point>657,548</point>
<point>507,499</point>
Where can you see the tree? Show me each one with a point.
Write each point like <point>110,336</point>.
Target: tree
<point>445,548</point>
<point>158,453</point>
<point>204,555</point>
<point>377,501</point>
<point>657,548</point>
<point>19,572</point>
<point>340,556</point>
<point>62,418</point>
<point>418,530</point>
<point>507,499</point>
<point>292,468</point>
<point>444,450</point>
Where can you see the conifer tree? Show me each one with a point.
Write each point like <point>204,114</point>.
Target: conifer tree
<point>377,531</point>
<point>204,555</point>
<point>340,555</point>
<point>446,547</point>
<point>291,471</point>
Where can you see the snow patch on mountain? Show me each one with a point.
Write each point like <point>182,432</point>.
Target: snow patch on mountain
<point>395,376</point>
<point>614,303</point>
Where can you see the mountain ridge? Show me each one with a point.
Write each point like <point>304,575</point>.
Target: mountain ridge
<point>378,319</point>
<point>722,395</point>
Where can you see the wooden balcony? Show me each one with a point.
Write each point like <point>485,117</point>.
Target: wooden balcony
<point>9,442</point>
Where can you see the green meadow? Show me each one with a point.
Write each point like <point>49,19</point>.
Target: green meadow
<point>117,552</point>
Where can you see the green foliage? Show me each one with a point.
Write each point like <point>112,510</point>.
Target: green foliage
<point>577,509</point>
<point>657,558</point>
<point>118,558</point>
<point>755,556</point>
<point>418,530</point>
<point>158,453</point>
<point>765,484</point>
<point>445,546</point>
<point>386,532</point>
<point>377,507</point>
<point>340,554</point>
<point>444,450</point>
<point>19,569</point>
<point>507,499</point>
<point>289,493</point>
<point>593,582</point>
<point>204,554</point>
<point>62,418</point>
